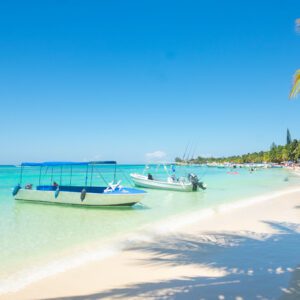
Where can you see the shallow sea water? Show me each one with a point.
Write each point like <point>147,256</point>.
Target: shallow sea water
<point>33,234</point>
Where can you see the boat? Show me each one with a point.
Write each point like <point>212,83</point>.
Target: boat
<point>143,181</point>
<point>183,184</point>
<point>113,194</point>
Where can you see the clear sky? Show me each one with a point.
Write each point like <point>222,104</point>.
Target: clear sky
<point>84,80</point>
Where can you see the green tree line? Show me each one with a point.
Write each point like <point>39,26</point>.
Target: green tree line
<point>276,154</point>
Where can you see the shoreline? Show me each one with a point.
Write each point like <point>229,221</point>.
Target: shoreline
<point>79,255</point>
<point>187,224</point>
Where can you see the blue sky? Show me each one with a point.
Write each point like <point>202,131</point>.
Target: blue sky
<point>119,79</point>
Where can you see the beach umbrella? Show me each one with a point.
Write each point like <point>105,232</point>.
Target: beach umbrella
<point>296,85</point>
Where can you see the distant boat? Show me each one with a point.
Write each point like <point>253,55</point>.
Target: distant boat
<point>84,195</point>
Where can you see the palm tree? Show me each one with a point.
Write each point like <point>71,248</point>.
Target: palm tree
<point>296,85</point>
<point>296,81</point>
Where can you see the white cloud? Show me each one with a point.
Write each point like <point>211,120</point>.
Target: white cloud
<point>155,155</point>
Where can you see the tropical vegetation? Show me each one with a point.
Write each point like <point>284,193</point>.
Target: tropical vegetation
<point>295,90</point>
<point>290,152</point>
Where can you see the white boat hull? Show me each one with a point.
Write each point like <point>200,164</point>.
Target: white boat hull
<point>122,198</point>
<point>143,181</point>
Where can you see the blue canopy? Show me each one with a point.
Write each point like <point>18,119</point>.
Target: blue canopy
<point>107,162</point>
<point>65,163</point>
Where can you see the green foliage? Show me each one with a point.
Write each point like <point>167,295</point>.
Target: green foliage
<point>276,154</point>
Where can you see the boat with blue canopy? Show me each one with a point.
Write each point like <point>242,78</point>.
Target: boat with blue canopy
<point>78,188</point>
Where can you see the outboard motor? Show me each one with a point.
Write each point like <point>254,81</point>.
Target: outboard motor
<point>202,185</point>
<point>193,178</point>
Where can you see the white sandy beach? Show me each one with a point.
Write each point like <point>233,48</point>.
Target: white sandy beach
<point>249,252</point>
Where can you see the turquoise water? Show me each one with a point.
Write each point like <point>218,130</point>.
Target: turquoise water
<point>32,233</point>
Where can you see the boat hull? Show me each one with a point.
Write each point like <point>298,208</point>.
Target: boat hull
<point>122,198</point>
<point>143,181</point>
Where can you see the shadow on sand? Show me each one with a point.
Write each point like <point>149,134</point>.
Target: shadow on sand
<point>256,267</point>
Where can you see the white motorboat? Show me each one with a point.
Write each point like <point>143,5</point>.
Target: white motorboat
<point>84,195</point>
<point>172,184</point>
<point>143,181</point>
